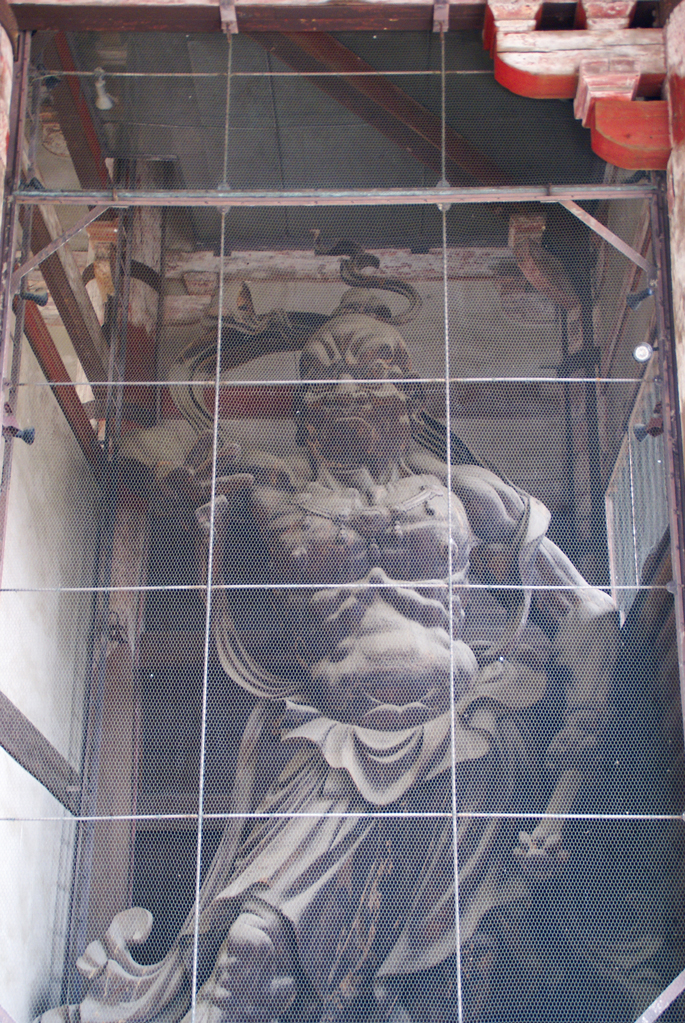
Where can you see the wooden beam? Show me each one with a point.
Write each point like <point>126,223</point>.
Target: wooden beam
<point>381,104</point>
<point>545,65</point>
<point>634,136</point>
<point>63,388</point>
<point>252,15</point>
<point>75,121</point>
<point>29,747</point>
<point>63,278</point>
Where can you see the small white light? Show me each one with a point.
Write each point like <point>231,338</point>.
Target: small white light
<point>103,101</point>
<point>643,352</point>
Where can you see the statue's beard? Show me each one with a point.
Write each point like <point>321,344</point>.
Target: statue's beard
<point>365,427</point>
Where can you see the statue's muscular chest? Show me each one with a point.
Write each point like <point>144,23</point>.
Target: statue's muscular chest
<point>327,535</point>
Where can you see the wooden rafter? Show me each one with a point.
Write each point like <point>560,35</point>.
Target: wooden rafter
<point>75,121</point>
<point>63,387</point>
<point>29,747</point>
<point>381,104</point>
<point>63,279</point>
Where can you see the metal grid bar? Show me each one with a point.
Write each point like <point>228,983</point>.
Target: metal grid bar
<point>217,197</point>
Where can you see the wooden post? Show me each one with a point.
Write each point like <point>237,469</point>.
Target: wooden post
<point>6,74</point>
<point>114,729</point>
<point>675,64</point>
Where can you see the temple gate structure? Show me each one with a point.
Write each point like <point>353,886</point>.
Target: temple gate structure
<point>342,511</point>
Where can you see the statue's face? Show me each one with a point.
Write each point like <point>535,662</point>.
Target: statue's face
<point>362,418</point>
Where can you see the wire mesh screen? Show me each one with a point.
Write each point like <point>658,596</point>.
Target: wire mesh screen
<point>336,590</point>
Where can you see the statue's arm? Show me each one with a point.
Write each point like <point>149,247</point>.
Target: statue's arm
<point>584,652</point>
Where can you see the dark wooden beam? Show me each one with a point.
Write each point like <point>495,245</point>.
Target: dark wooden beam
<point>381,104</point>
<point>9,23</point>
<point>75,121</point>
<point>63,278</point>
<point>63,388</point>
<point>29,747</point>
<point>253,16</point>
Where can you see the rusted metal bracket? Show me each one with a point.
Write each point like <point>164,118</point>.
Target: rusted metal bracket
<point>618,243</point>
<point>229,17</point>
<point>48,250</point>
<point>441,16</point>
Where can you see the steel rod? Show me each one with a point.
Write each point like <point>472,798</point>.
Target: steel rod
<point>605,232</point>
<point>47,250</point>
<point>331,197</point>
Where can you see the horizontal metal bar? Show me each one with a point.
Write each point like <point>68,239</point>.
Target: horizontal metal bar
<point>207,383</point>
<point>494,815</point>
<point>388,73</point>
<point>667,996</point>
<point>332,197</point>
<point>353,587</point>
<point>75,229</point>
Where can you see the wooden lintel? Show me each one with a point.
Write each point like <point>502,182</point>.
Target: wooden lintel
<point>29,747</point>
<point>381,104</point>
<point>63,278</point>
<point>252,15</point>
<point>63,388</point>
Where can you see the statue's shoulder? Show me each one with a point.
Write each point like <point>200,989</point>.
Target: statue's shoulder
<point>494,507</point>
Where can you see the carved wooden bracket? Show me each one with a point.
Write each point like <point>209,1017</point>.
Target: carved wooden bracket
<point>598,63</point>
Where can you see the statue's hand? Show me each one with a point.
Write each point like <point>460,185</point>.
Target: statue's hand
<point>576,745</point>
<point>190,484</point>
<point>541,854</point>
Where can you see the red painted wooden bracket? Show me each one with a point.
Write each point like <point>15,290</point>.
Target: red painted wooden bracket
<point>631,135</point>
<point>532,84</point>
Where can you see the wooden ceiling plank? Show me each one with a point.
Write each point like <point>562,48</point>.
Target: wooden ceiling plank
<point>252,15</point>
<point>381,104</point>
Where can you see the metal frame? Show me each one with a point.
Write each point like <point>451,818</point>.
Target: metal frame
<point>48,250</point>
<point>565,195</point>
<point>673,426</point>
<point>222,198</point>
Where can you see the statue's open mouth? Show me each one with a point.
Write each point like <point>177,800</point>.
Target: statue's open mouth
<point>351,427</point>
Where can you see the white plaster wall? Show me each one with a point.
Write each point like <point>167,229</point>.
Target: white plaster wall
<point>50,544</point>
<point>35,881</point>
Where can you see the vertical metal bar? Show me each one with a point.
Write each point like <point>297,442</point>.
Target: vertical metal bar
<point>8,453</point>
<point>8,241</point>
<point>17,339</point>
<point>673,448</point>
<point>450,605</point>
<point>210,564</point>
<point>568,437</point>
<point>18,105</point>
<point>600,559</point>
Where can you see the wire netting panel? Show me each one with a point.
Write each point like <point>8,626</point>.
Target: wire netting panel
<point>324,111</point>
<point>337,592</point>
